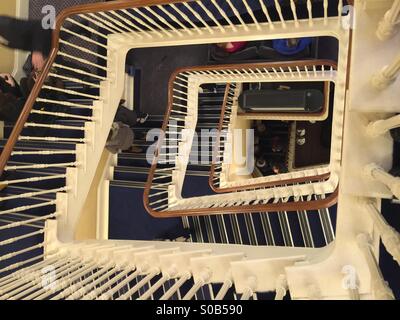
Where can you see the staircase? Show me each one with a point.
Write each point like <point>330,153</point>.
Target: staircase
<point>266,239</point>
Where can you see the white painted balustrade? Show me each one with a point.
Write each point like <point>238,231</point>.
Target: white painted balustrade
<point>380,127</point>
<point>387,76</point>
<point>390,237</point>
<point>179,126</point>
<point>100,41</point>
<point>60,268</point>
<point>379,287</point>
<point>380,175</point>
<point>388,26</point>
<point>121,270</point>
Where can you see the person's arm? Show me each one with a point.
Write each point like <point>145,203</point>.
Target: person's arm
<point>41,45</point>
<point>38,60</point>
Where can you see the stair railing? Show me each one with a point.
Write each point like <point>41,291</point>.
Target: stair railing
<point>313,70</point>
<point>119,26</point>
<point>121,270</point>
<point>112,29</point>
<point>162,195</point>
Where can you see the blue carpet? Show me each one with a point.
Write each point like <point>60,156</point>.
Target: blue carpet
<point>129,219</point>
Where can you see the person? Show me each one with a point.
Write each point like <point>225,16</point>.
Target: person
<point>11,98</point>
<point>129,117</point>
<point>121,136</point>
<point>26,35</point>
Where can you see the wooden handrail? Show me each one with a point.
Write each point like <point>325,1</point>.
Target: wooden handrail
<point>80,9</point>
<point>99,7</point>
<point>275,182</point>
<point>289,206</point>
<point>272,207</point>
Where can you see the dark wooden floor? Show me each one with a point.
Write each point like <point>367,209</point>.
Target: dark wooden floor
<point>313,152</point>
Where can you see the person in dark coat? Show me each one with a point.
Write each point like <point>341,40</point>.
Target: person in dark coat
<point>26,35</point>
<point>12,99</point>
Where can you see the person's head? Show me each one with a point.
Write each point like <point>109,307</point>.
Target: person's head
<point>261,127</point>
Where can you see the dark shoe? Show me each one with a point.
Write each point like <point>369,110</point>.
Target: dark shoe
<point>143,118</point>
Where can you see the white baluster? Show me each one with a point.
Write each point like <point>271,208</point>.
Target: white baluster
<point>108,284</point>
<point>80,288</point>
<point>84,61</point>
<point>136,19</point>
<point>163,20</point>
<point>174,18</point>
<point>19,252</point>
<point>325,4</point>
<point>91,30</point>
<point>32,194</point>
<point>77,70</point>
<point>52,139</point>
<point>281,287</point>
<point>387,26</point>
<point>146,279</point>
<point>112,22</point>
<point>90,84</point>
<point>390,237</point>
<point>387,75</point>
<point>154,288</point>
<point>42,166</point>
<point>18,265</point>
<point>250,290</point>
<point>72,92</point>
<point>29,221</point>
<point>33,179</point>
<point>279,10</point>
<point>96,281</point>
<point>376,172</point>
<point>179,283</point>
<point>379,287</point>
<point>222,12</point>
<point>24,208</point>
<point>237,14</point>
<point>70,285</point>
<point>266,13</point>
<point>66,281</point>
<point>310,16</point>
<point>211,15</point>
<point>293,8</point>
<point>380,127</point>
<point>24,236</point>
<point>196,14</point>
<point>83,37</point>
<point>250,12</point>
<point>83,49</point>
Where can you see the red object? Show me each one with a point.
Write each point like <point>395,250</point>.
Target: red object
<point>232,47</point>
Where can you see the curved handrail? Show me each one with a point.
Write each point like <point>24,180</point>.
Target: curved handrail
<point>285,206</point>
<point>80,9</point>
<point>87,8</point>
<point>275,182</point>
